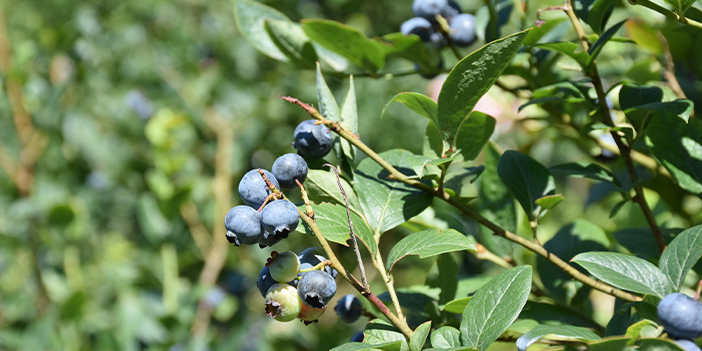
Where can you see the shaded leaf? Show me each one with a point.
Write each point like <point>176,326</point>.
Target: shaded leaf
<point>496,203</point>
<point>569,49</point>
<point>442,275</point>
<point>250,18</point>
<point>596,48</point>
<point>409,47</point>
<point>554,332</point>
<point>474,133</point>
<point>527,179</point>
<point>678,145</point>
<point>681,255</point>
<point>291,41</point>
<point>346,41</point>
<point>419,103</point>
<point>586,170</point>
<point>429,243</point>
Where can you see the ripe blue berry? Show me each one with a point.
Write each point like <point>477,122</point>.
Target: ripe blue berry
<point>265,281</point>
<point>282,302</point>
<point>681,316</point>
<point>283,266</point>
<point>687,345</point>
<point>253,190</point>
<point>462,29</point>
<point>349,308</point>
<point>316,288</point>
<point>243,225</point>
<point>429,8</point>
<point>268,239</point>
<point>419,26</point>
<point>312,140</point>
<point>312,257</point>
<point>289,167</point>
<point>358,337</point>
<point>279,218</point>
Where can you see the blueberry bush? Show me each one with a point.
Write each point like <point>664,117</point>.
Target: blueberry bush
<point>446,175</point>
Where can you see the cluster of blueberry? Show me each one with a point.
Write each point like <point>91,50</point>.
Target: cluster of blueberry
<point>681,316</point>
<point>426,25</point>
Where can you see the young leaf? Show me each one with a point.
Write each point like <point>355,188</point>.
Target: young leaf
<point>471,78</point>
<point>681,255</point>
<point>429,243</point>
<point>473,134</point>
<point>678,145</point>
<point>456,306</point>
<point>346,41</point>
<point>322,187</point>
<point>554,332</point>
<point>250,17</point>
<point>586,170</point>
<point>446,337</point>
<point>527,179</point>
<point>596,48</point>
<point>292,42</point>
<point>569,49</point>
<point>419,337</point>
<point>496,203</point>
<point>334,223</point>
<point>388,203</point>
<point>419,103</point>
<point>494,307</point>
<point>549,201</point>
<point>327,103</point>
<point>625,272</point>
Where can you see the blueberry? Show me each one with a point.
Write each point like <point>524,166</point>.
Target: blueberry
<point>279,218</point>
<point>419,26</point>
<point>681,316</point>
<point>316,288</point>
<point>312,257</point>
<point>253,190</point>
<point>265,281</point>
<point>358,337</point>
<point>268,239</point>
<point>687,345</point>
<point>283,266</point>
<point>462,29</point>
<point>289,167</point>
<point>243,225</point>
<point>453,9</point>
<point>310,315</point>
<point>312,140</point>
<point>282,302</point>
<point>349,308</point>
<point>438,40</point>
<point>429,8</point>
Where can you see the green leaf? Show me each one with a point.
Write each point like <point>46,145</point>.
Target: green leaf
<point>527,179</point>
<point>681,255</point>
<point>541,33</point>
<point>546,313</point>
<point>599,14</point>
<point>549,201</point>
<point>456,306</point>
<point>414,298</point>
<point>409,47</point>
<point>333,221</point>
<point>321,187</point>
<point>346,41</point>
<point>419,163</point>
<point>554,332</point>
<point>679,108</point>
<point>388,203</point>
<point>327,103</point>
<point>429,243</point>
<point>292,42</point>
<point>578,237</point>
<point>420,336</point>
<point>596,48</point>
<point>496,203</point>
<point>473,134</point>
<point>625,272</point>
<point>250,17</point>
<point>471,78</point>
<point>679,147</point>
<point>640,241</point>
<point>644,328</point>
<point>569,49</point>
<point>680,6</point>
<point>419,103</point>
<point>610,344</point>
<point>446,337</point>
<point>349,120</point>
<point>434,144</point>
<point>586,170</point>
<point>494,307</point>
<point>658,345</point>
<point>633,95</point>
<point>357,346</point>
<point>379,331</point>
<point>442,275</point>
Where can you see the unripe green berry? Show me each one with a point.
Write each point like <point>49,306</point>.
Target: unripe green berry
<point>284,266</point>
<point>282,302</point>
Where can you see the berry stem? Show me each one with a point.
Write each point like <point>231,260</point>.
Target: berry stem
<point>268,198</point>
<point>320,266</point>
<point>499,231</point>
<point>271,186</point>
<point>308,207</point>
<point>699,290</point>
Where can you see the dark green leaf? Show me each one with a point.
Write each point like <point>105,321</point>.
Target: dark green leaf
<point>527,179</point>
<point>678,145</point>
<point>333,221</point>
<point>442,275</point>
<point>617,207</point>
<point>292,42</point>
<point>496,203</point>
<point>554,332</point>
<point>633,95</point>
<point>681,255</point>
<point>429,243</point>
<point>625,272</point>
<point>569,49</point>
<point>419,103</point>
<point>596,48</point>
<point>250,17</point>
<point>551,314</point>
<point>388,203</point>
<point>610,344</point>
<point>640,241</point>
<point>599,14</point>
<point>434,144</point>
<point>419,337</point>
<point>471,78</point>
<point>446,337</point>
<point>473,134</point>
<point>346,41</point>
<point>494,307</point>
<point>586,170</point>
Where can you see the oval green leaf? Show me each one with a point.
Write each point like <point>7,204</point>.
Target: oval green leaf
<point>681,255</point>
<point>554,332</point>
<point>429,243</point>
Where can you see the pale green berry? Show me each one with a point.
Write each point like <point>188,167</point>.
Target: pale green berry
<point>282,302</point>
<point>284,266</point>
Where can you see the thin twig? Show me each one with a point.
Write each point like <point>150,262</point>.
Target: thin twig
<point>624,149</point>
<point>353,235</point>
<point>499,231</point>
<point>486,255</point>
<point>308,206</point>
